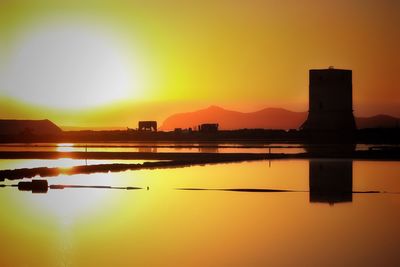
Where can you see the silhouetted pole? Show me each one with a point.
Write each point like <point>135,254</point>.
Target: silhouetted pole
<point>86,154</point>
<point>269,163</point>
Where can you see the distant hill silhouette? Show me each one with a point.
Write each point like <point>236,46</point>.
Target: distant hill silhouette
<point>378,121</point>
<point>271,118</point>
<point>268,118</point>
<point>39,127</point>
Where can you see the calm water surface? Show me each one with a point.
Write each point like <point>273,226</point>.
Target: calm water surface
<point>156,147</point>
<point>165,226</point>
<point>190,147</point>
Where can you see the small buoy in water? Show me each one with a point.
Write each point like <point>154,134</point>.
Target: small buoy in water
<point>36,186</point>
<point>147,188</point>
<point>24,186</point>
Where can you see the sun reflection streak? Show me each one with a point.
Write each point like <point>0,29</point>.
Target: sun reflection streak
<point>67,206</point>
<point>65,147</point>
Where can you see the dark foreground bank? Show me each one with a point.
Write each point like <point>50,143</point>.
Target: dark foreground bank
<point>170,160</point>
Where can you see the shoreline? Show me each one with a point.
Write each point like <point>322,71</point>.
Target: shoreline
<point>364,135</point>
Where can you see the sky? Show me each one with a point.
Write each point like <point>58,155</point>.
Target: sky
<point>111,63</point>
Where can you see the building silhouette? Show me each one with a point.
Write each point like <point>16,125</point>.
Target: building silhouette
<point>330,103</point>
<point>147,126</point>
<point>208,127</point>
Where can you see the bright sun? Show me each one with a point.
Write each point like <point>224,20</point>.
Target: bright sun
<point>69,66</point>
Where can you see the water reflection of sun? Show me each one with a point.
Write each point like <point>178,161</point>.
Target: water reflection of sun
<point>68,205</point>
<point>65,147</point>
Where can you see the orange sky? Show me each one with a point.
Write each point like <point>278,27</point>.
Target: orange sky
<point>111,63</point>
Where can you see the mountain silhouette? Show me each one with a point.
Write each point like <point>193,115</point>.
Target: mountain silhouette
<point>271,118</point>
<point>40,127</point>
<point>268,118</point>
<point>378,121</point>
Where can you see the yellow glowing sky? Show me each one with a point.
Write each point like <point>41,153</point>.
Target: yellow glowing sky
<point>110,63</point>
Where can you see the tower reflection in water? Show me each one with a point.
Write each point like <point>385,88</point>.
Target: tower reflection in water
<point>331,181</point>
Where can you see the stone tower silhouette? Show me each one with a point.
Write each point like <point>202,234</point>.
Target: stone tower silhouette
<point>330,102</point>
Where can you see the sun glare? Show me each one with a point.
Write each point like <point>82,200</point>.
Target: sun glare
<point>65,147</point>
<point>69,65</point>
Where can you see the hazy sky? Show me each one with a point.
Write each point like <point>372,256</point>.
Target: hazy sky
<point>110,63</point>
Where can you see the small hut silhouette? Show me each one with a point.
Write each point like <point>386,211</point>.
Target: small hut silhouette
<point>147,126</point>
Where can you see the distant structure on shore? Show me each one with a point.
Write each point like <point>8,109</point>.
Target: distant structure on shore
<point>330,102</point>
<point>147,126</point>
<point>208,127</point>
